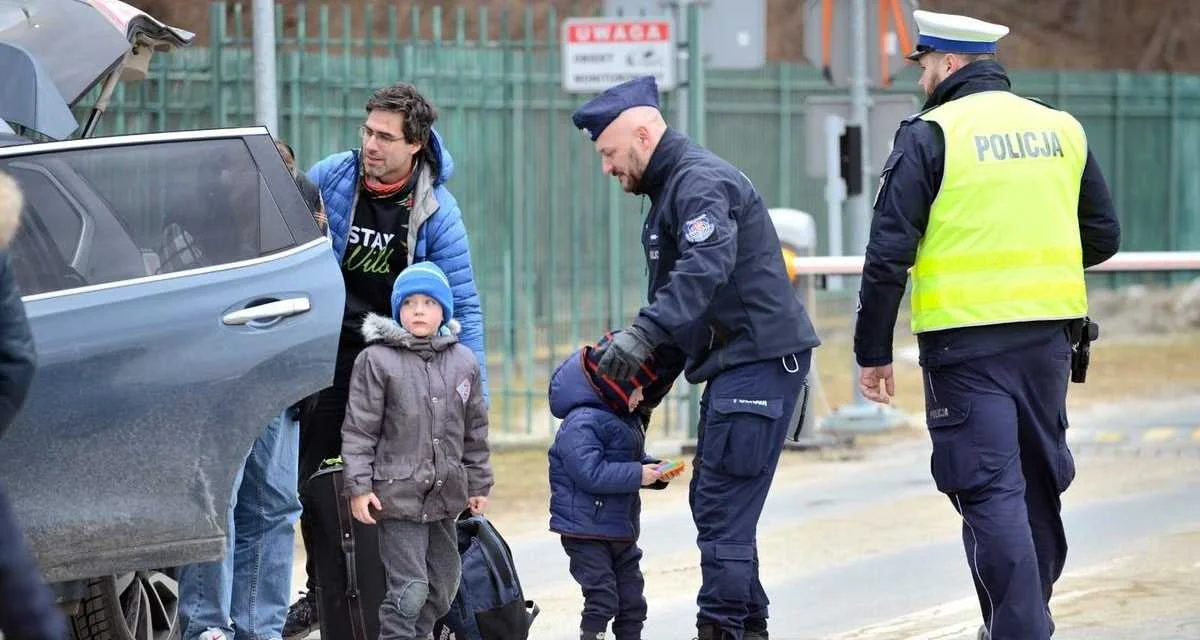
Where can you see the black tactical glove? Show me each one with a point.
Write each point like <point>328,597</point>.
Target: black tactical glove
<point>625,354</point>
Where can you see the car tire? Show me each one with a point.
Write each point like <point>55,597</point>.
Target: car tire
<point>131,606</point>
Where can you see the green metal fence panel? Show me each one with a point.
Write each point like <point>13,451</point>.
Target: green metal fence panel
<point>555,243</point>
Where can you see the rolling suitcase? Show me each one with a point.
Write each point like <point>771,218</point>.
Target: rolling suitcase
<point>351,583</point>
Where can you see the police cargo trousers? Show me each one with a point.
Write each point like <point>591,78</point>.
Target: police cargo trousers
<point>998,426</point>
<point>745,414</point>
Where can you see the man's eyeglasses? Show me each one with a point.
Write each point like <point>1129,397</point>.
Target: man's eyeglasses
<point>386,138</point>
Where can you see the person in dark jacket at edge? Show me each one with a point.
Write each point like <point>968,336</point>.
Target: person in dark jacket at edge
<point>27,607</point>
<point>997,206</point>
<point>719,293</point>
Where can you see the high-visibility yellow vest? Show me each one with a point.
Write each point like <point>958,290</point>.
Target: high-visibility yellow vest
<point>1002,241</point>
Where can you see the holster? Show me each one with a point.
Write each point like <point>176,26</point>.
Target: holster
<point>1082,332</point>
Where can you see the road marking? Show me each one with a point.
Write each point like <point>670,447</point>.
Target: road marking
<point>910,623</point>
<point>1110,437</point>
<point>1159,434</point>
<point>958,630</point>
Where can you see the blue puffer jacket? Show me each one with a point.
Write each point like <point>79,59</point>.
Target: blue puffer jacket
<point>595,462</point>
<point>435,232</point>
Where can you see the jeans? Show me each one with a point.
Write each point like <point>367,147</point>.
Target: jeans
<point>245,595</point>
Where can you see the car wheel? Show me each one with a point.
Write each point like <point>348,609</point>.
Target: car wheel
<point>131,606</point>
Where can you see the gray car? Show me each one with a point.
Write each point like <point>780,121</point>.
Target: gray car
<point>180,295</point>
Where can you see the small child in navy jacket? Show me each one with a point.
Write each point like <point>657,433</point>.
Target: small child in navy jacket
<point>598,464</point>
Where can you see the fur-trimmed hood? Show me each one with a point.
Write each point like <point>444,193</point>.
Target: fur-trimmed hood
<point>11,202</point>
<point>377,329</point>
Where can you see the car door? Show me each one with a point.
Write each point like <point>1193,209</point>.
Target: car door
<point>180,296</point>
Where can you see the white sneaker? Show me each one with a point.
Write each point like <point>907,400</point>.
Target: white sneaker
<point>212,634</point>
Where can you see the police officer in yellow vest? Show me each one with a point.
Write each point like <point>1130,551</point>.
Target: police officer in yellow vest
<point>996,205</point>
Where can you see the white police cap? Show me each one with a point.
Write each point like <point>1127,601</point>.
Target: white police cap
<point>948,33</point>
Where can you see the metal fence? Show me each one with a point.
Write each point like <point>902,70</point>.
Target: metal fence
<point>554,243</point>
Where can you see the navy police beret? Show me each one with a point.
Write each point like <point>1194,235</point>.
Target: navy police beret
<point>599,112</point>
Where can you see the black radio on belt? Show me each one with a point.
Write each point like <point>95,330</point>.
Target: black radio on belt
<point>1083,333</point>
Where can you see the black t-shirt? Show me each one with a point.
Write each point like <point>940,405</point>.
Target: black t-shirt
<point>376,253</point>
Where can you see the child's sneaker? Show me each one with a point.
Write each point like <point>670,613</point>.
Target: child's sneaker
<point>212,634</point>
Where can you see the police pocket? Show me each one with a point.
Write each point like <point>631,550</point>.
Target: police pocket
<point>954,463</point>
<point>740,438</point>
<point>1064,464</point>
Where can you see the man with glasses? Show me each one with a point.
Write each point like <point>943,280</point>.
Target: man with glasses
<point>387,207</point>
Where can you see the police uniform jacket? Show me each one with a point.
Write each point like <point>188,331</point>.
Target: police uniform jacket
<point>718,287</point>
<point>909,183</point>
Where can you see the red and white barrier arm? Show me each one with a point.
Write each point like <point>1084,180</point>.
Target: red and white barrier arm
<point>1124,261</point>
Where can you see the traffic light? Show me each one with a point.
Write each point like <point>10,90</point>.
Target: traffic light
<point>850,146</point>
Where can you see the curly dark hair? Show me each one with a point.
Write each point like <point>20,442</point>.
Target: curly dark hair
<point>403,98</point>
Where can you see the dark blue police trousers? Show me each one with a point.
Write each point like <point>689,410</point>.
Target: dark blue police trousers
<point>745,415</point>
<point>998,426</point>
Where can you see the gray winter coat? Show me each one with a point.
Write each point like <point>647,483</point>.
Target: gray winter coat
<point>416,425</point>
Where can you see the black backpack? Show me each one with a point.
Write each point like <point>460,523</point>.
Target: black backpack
<point>490,604</point>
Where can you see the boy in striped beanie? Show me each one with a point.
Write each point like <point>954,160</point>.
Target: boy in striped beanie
<point>598,463</point>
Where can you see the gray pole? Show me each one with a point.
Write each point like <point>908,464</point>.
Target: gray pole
<point>857,204</point>
<point>859,104</point>
<point>683,109</point>
<point>696,109</point>
<point>266,102</point>
<point>862,415</point>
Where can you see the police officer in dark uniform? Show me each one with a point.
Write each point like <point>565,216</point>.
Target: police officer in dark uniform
<point>719,292</point>
<point>996,204</point>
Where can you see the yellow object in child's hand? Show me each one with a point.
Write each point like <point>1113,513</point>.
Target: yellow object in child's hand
<point>668,469</point>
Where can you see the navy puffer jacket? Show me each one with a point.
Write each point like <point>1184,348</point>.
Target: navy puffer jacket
<point>595,462</point>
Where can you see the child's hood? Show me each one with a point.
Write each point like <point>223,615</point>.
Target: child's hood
<point>378,329</point>
<point>571,387</point>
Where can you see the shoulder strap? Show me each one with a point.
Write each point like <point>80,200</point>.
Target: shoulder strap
<point>358,626</point>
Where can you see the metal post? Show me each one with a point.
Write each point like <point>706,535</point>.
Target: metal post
<point>695,74</point>
<point>862,414</point>
<point>691,111</point>
<point>835,190</point>
<point>859,104</point>
<point>266,100</point>
<point>683,105</point>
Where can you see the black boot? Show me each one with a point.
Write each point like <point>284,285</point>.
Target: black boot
<point>756,629</point>
<point>301,617</point>
<point>711,631</point>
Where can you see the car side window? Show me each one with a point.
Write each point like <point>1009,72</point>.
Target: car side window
<point>125,212</point>
<point>45,199</point>
<point>36,263</point>
<point>194,204</point>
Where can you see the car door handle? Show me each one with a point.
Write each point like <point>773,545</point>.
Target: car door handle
<point>268,311</point>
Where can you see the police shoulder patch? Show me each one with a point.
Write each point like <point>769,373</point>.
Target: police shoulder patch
<point>699,229</point>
